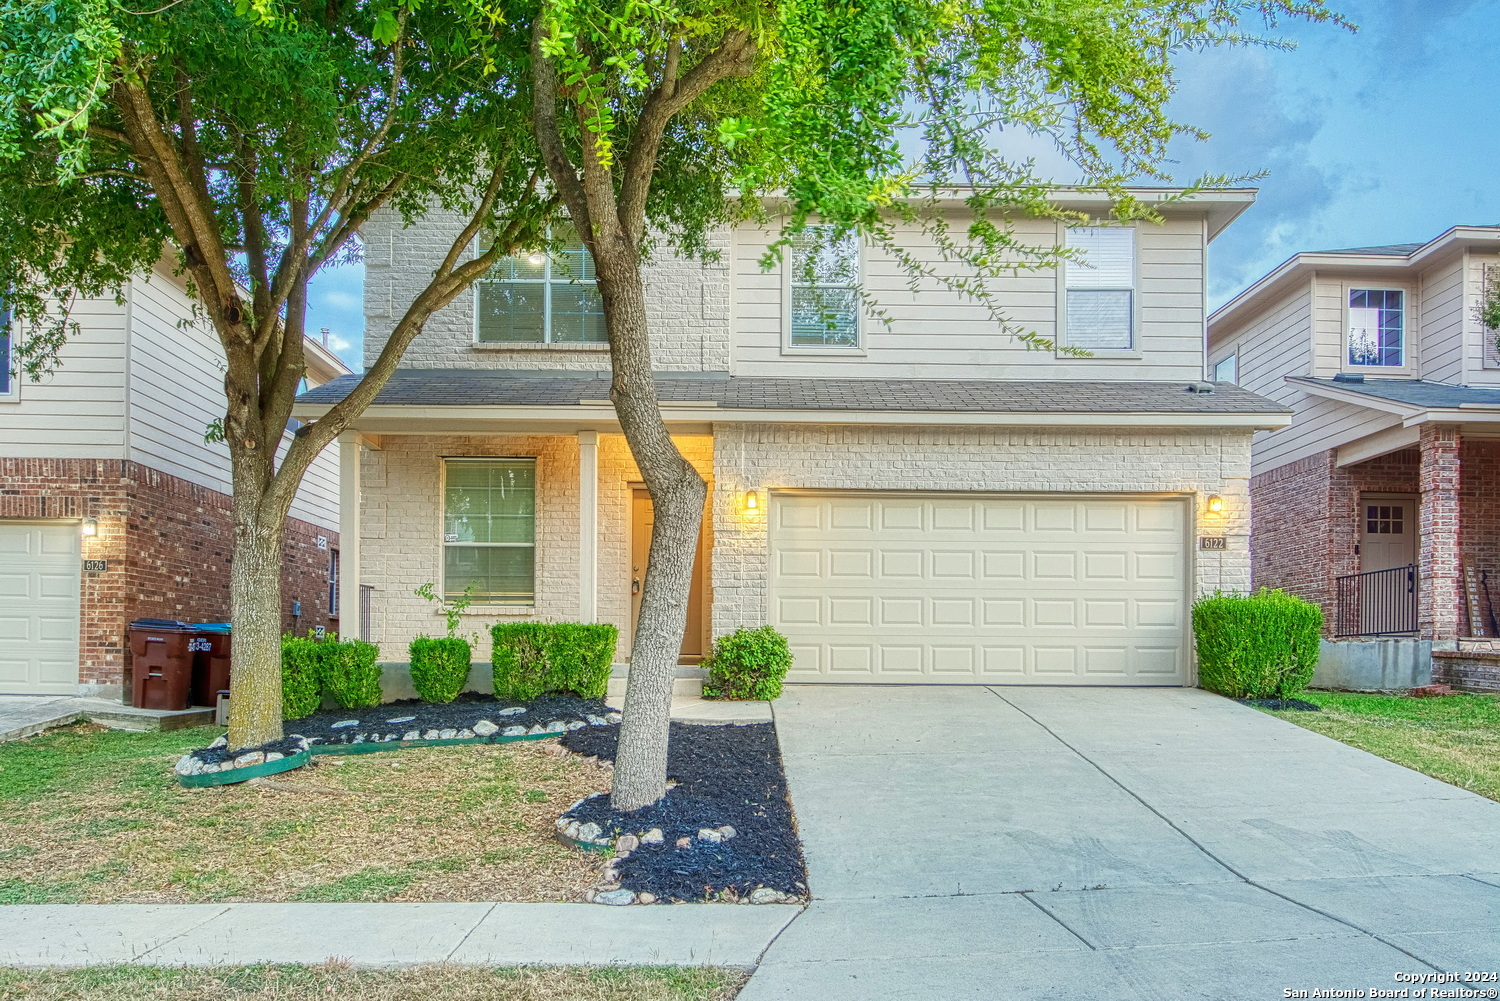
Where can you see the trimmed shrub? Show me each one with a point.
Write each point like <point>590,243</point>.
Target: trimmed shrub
<point>439,667</point>
<point>747,664</point>
<point>301,694</point>
<point>1256,646</point>
<point>533,658</point>
<point>348,673</point>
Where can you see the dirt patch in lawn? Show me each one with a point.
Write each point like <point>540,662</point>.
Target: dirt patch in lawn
<point>429,983</point>
<point>473,822</point>
<point>1455,738</point>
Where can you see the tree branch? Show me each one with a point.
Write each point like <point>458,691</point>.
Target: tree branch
<point>544,123</point>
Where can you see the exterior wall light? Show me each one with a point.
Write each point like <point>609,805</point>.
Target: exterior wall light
<point>535,259</point>
<point>751,501</point>
<point>1215,504</point>
<point>90,527</point>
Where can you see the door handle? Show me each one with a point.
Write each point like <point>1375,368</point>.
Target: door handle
<point>635,586</point>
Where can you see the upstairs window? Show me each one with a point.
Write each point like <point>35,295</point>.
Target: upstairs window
<point>824,289</point>
<point>1227,369</point>
<point>7,356</point>
<point>1101,288</point>
<point>489,530</point>
<point>546,296</point>
<point>1376,327</point>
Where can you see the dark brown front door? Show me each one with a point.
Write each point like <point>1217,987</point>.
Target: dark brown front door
<point>695,637</point>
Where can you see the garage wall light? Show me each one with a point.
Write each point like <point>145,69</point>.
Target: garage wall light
<point>751,501</point>
<point>1215,504</point>
<point>90,527</point>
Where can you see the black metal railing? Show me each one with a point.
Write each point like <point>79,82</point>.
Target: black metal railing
<point>1377,603</point>
<point>365,617</point>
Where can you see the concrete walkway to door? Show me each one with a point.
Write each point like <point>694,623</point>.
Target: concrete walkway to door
<point>967,842</point>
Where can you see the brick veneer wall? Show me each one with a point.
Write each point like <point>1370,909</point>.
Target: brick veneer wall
<point>767,456</point>
<point>1480,500</point>
<point>168,543</point>
<point>1440,606</point>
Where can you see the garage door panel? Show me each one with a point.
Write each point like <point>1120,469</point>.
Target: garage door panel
<point>40,591</point>
<point>946,588</point>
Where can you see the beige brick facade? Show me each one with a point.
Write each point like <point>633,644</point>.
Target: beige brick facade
<point>402,509</point>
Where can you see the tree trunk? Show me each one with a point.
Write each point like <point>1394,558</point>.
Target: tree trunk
<point>255,609</point>
<point>678,494</point>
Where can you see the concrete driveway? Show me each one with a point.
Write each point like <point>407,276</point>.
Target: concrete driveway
<point>1120,843</point>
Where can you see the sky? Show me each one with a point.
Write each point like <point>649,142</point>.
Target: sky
<point>1389,134</point>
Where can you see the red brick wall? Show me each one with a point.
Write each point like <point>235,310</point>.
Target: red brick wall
<point>1479,494</point>
<point>168,543</point>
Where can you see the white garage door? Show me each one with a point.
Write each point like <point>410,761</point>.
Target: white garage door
<point>954,589</point>
<point>39,584</point>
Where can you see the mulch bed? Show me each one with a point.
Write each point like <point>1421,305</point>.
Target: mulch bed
<point>1282,704</point>
<point>729,774</point>
<point>393,720</point>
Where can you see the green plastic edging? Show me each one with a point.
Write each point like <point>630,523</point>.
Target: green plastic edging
<point>248,772</point>
<point>587,846</point>
<point>371,746</point>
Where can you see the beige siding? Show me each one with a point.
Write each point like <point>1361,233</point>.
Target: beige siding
<point>931,332</point>
<point>1439,318</point>
<point>77,412</point>
<point>1318,424</point>
<point>177,388</point>
<point>1327,326</point>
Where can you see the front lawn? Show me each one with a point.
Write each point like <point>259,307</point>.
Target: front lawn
<point>89,815</point>
<point>429,983</point>
<point>1455,738</point>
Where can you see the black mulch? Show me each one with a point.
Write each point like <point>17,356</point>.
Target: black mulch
<point>1282,704</point>
<point>460,714</point>
<point>725,775</point>
<point>214,755</point>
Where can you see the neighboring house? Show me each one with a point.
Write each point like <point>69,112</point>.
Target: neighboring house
<point>113,506</point>
<point>1381,500</point>
<point>919,501</point>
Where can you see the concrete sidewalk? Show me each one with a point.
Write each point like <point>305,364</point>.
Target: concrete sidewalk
<point>388,934</point>
<point>964,842</point>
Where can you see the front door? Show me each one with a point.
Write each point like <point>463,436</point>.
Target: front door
<point>695,637</point>
<point>1388,531</point>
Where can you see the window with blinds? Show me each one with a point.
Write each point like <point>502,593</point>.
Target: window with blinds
<point>489,530</point>
<point>543,296</point>
<point>1101,288</point>
<point>824,289</point>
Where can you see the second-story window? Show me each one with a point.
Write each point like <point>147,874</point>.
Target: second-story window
<point>542,296</point>
<point>7,356</point>
<point>824,289</point>
<point>1376,322</point>
<point>1227,369</point>
<point>1101,288</point>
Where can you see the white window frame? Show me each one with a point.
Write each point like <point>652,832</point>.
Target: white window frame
<point>12,394</point>
<point>844,350</point>
<point>1408,334</point>
<point>1134,351</point>
<point>546,344</point>
<point>1233,358</point>
<point>489,607</point>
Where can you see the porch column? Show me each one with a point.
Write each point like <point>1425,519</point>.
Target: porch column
<point>1440,602</point>
<point>588,526</point>
<point>349,454</point>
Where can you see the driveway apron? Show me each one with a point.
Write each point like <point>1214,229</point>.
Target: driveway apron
<point>970,842</point>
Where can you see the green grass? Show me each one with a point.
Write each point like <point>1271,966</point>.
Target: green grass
<point>334,980</point>
<point>73,758</point>
<point>1455,738</point>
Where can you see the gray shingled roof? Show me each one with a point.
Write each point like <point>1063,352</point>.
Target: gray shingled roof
<point>1389,250</point>
<point>470,387</point>
<point>1415,392</point>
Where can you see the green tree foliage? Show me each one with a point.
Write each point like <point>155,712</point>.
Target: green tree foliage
<point>1256,646</point>
<point>248,147</point>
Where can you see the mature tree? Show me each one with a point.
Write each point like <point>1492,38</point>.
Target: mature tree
<point>252,148</point>
<point>659,119</point>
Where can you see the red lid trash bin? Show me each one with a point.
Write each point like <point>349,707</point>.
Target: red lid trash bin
<point>161,664</point>
<point>211,661</point>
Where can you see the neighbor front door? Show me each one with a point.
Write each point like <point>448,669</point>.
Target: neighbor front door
<point>1388,531</point>
<point>695,637</point>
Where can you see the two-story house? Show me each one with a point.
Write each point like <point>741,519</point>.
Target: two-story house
<point>911,499</point>
<point>114,507</point>
<point>1380,500</point>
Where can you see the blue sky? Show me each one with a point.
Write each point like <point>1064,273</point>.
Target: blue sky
<point>1390,134</point>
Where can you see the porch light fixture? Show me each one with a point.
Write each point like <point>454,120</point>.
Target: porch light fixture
<point>751,501</point>
<point>90,527</point>
<point>1215,504</point>
<point>535,258</point>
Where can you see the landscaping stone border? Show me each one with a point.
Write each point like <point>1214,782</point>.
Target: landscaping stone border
<point>244,773</point>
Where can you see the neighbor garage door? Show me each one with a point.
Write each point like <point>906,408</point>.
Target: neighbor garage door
<point>953,589</point>
<point>39,579</point>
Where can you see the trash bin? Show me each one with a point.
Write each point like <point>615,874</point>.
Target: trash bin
<point>210,662</point>
<point>161,664</point>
